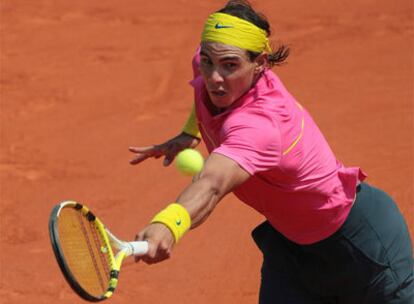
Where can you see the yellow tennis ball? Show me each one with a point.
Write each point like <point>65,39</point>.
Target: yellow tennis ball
<point>189,162</point>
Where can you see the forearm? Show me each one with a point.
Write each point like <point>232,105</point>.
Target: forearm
<point>200,198</point>
<point>197,201</point>
<point>220,176</point>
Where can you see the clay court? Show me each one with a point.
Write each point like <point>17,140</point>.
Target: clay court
<point>81,81</point>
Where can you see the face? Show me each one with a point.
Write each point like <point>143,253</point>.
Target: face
<point>227,71</point>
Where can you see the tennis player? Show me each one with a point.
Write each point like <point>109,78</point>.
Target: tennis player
<point>329,236</point>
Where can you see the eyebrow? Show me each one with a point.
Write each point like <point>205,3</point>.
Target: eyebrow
<point>230,57</point>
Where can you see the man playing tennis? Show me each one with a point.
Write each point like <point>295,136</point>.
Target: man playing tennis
<point>329,237</point>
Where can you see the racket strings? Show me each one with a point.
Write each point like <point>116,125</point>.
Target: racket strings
<point>90,246</point>
<point>102,250</point>
<point>84,251</point>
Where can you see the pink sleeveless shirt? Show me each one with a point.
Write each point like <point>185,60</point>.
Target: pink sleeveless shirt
<point>296,181</point>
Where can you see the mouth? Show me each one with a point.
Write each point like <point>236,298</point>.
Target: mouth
<point>218,93</point>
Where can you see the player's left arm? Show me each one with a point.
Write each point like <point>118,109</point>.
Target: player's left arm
<point>219,176</point>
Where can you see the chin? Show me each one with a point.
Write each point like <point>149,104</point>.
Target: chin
<point>221,102</point>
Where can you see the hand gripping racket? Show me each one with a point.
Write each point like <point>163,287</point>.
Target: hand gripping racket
<point>85,250</point>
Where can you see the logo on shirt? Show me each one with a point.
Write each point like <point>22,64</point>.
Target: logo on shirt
<point>221,26</point>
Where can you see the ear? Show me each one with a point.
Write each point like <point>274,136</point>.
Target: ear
<point>261,62</point>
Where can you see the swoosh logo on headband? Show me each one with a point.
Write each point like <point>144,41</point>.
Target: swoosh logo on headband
<point>220,26</point>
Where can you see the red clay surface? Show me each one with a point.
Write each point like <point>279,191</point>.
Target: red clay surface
<point>83,80</point>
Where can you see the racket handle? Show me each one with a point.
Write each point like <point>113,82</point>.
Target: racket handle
<point>139,247</point>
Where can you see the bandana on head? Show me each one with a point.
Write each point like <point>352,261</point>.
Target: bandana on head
<point>230,30</point>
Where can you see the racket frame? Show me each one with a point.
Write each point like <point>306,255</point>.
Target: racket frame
<point>109,240</point>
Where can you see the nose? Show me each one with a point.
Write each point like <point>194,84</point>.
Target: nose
<point>216,76</point>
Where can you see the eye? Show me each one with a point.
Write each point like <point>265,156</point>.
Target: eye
<point>230,65</point>
<point>205,61</point>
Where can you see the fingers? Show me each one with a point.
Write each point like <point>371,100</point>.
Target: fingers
<point>160,243</point>
<point>141,149</point>
<point>168,160</point>
<point>171,152</point>
<point>169,149</point>
<point>142,153</point>
<point>139,158</point>
<point>157,252</point>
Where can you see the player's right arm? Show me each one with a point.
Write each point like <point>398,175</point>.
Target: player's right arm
<point>219,176</point>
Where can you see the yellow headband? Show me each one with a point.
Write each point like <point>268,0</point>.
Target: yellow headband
<point>230,30</point>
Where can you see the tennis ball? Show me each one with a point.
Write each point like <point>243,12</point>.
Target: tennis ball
<point>189,162</point>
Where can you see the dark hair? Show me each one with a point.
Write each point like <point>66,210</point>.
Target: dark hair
<point>243,10</point>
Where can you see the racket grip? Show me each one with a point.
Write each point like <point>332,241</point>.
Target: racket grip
<point>139,247</point>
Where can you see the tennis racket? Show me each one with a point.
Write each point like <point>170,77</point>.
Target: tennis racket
<point>88,254</point>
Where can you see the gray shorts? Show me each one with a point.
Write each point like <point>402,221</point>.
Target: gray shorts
<point>368,260</point>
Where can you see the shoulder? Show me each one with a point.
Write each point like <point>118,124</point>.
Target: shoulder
<point>253,128</point>
<point>252,140</point>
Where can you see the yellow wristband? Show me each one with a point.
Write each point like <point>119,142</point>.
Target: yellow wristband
<point>191,126</point>
<point>176,218</point>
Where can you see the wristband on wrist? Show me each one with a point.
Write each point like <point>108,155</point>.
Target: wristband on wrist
<point>176,218</point>
<point>191,126</point>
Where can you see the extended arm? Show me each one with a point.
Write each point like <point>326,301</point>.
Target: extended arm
<point>220,176</point>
